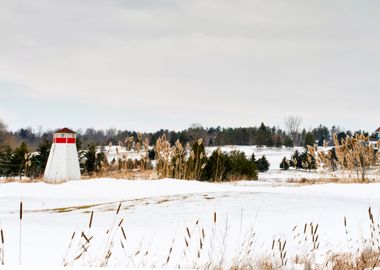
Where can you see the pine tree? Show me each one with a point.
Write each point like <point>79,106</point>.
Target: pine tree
<point>19,159</point>
<point>262,136</point>
<point>90,159</point>
<point>309,139</point>
<point>284,164</point>
<point>6,167</point>
<point>38,162</point>
<point>288,142</point>
<point>262,164</point>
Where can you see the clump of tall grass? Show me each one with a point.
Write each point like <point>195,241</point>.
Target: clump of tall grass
<point>355,155</point>
<point>191,162</point>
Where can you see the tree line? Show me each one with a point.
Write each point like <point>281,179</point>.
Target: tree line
<point>262,135</point>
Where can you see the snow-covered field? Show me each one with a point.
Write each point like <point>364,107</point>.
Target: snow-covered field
<point>157,212</point>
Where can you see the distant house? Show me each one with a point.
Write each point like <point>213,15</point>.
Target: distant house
<point>377,133</point>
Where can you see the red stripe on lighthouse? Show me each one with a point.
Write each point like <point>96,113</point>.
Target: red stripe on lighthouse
<point>60,140</point>
<point>64,140</point>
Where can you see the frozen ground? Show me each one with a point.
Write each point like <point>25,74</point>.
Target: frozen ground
<point>157,211</point>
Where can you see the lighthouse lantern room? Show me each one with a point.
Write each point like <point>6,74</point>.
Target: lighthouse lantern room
<point>63,163</point>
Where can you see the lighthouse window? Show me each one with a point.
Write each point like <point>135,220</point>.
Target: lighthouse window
<point>62,135</point>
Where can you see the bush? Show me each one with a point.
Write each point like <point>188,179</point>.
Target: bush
<point>262,164</point>
<point>6,167</point>
<point>304,161</point>
<point>93,160</point>
<point>241,167</point>
<point>217,167</point>
<point>226,167</point>
<point>284,164</point>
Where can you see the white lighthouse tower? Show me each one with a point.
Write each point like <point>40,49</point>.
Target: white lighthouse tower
<point>63,163</point>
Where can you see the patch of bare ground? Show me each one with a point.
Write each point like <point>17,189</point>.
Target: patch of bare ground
<point>124,174</point>
<point>305,181</point>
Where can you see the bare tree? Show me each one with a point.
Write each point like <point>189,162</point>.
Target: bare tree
<point>293,125</point>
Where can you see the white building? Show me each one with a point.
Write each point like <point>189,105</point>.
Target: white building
<point>63,163</point>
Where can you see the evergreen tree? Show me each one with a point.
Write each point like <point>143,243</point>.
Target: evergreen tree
<point>38,162</point>
<point>262,136</point>
<point>278,142</point>
<point>288,142</point>
<point>210,142</point>
<point>19,159</point>
<point>284,164</point>
<point>309,139</point>
<point>90,157</point>
<point>6,166</point>
<point>217,168</point>
<point>296,160</point>
<point>262,164</point>
<point>241,167</point>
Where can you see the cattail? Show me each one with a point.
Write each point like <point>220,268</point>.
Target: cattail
<point>77,257</point>
<point>188,232</point>
<point>2,236</point>
<point>121,221</point>
<point>214,217</point>
<point>20,210</point>
<point>91,218</point>
<point>283,246</point>
<point>118,209</point>
<point>85,237</point>
<point>316,229</point>
<point>122,230</point>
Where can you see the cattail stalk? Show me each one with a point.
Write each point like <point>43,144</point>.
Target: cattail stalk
<point>20,234</point>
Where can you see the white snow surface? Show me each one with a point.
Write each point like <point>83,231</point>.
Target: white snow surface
<point>157,211</point>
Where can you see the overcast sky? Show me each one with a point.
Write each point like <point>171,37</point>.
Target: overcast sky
<point>150,64</point>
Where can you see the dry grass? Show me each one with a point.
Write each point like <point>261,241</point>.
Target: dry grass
<point>124,174</point>
<point>354,155</point>
<point>206,248</point>
<point>305,181</point>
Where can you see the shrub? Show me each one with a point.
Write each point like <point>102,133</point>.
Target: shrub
<point>93,160</point>
<point>241,167</point>
<point>284,164</point>
<point>218,166</point>
<point>6,161</point>
<point>305,161</point>
<point>262,164</point>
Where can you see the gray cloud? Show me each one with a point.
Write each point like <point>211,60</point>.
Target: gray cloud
<point>148,64</point>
